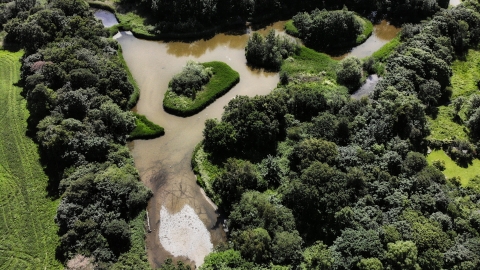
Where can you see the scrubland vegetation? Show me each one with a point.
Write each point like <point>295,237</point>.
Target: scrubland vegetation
<point>197,86</point>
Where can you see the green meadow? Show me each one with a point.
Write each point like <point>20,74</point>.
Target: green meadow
<point>452,169</point>
<point>28,233</point>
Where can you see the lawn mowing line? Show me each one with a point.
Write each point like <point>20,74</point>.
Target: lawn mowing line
<point>17,128</point>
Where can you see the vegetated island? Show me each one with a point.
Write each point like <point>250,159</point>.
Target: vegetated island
<point>330,30</point>
<point>145,129</point>
<point>197,86</point>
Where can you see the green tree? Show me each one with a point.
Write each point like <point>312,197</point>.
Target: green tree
<point>317,257</point>
<point>370,264</point>
<point>254,245</point>
<point>350,73</point>
<point>402,255</point>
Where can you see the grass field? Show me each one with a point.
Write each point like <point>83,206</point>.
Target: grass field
<point>452,169</point>
<point>465,74</point>
<point>28,233</point>
<point>224,78</point>
<point>145,129</point>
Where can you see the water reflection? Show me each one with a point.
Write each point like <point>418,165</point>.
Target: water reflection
<point>108,19</point>
<point>382,34</point>
<point>164,163</point>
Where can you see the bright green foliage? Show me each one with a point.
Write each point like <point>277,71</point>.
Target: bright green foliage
<point>370,264</point>
<point>194,100</point>
<point>253,244</point>
<point>402,255</point>
<point>452,169</point>
<point>135,258</point>
<point>223,260</point>
<point>28,233</point>
<point>145,129</point>
<point>386,50</point>
<point>317,257</point>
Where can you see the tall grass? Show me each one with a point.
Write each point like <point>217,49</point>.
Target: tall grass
<point>310,61</point>
<point>145,129</point>
<point>385,51</point>
<point>28,233</point>
<point>224,78</point>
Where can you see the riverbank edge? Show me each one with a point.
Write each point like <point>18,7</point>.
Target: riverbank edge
<point>145,129</point>
<point>361,38</point>
<point>212,93</point>
<point>210,32</point>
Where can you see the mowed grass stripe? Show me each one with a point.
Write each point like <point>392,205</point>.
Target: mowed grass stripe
<point>28,237</point>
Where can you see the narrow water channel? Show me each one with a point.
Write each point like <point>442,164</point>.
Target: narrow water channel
<point>382,34</point>
<point>164,163</point>
<point>184,222</point>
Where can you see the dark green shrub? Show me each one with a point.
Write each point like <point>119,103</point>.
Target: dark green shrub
<point>193,76</point>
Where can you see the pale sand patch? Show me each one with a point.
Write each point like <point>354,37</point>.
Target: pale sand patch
<point>183,234</point>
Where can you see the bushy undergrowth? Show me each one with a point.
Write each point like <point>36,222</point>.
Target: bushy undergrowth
<point>223,79</point>
<point>145,129</point>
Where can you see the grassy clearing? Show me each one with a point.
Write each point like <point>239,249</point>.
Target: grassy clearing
<point>291,29</point>
<point>28,233</point>
<point>145,129</point>
<point>444,128</point>
<point>311,69</point>
<point>312,62</point>
<point>224,78</point>
<point>367,29</point>
<point>382,54</point>
<point>452,169</point>
<point>465,74</point>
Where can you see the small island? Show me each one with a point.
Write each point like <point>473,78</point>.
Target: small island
<point>197,86</point>
<point>145,129</point>
<point>330,30</point>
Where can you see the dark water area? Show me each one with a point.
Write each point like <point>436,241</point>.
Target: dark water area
<point>164,163</point>
<point>382,34</point>
<point>367,87</point>
<point>108,19</point>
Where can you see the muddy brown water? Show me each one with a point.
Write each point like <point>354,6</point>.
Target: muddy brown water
<point>164,163</point>
<point>382,34</point>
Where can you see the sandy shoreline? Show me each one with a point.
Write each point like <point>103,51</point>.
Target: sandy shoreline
<point>184,234</point>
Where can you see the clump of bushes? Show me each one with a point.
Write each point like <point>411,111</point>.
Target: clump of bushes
<point>327,30</point>
<point>193,76</point>
<point>268,52</point>
<point>350,73</point>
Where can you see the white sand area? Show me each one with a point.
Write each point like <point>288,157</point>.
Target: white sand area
<point>184,234</point>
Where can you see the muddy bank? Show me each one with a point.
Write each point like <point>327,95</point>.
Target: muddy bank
<point>382,34</point>
<point>164,163</point>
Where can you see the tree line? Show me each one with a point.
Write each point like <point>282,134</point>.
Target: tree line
<point>186,16</point>
<point>77,93</point>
